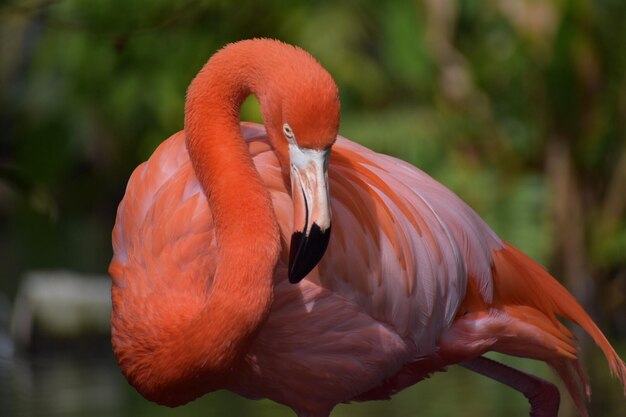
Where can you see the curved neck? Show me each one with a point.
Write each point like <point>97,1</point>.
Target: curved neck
<point>248,243</point>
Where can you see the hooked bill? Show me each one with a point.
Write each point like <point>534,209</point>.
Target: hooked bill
<point>306,252</point>
<point>312,216</point>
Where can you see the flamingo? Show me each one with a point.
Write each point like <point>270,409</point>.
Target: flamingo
<point>225,274</point>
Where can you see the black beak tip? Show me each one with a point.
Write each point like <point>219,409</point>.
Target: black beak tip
<point>294,279</point>
<point>306,251</point>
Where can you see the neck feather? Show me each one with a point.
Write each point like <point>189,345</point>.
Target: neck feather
<point>248,242</point>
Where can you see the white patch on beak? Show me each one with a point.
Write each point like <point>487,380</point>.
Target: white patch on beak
<point>309,176</point>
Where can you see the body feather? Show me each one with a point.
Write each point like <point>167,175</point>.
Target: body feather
<point>413,280</point>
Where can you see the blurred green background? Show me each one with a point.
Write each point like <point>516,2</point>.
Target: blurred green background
<point>519,106</point>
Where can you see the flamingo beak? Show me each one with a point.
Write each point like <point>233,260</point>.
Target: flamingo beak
<point>311,203</point>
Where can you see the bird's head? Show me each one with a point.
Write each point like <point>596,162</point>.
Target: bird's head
<point>303,123</point>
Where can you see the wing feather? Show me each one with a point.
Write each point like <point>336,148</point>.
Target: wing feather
<point>403,245</point>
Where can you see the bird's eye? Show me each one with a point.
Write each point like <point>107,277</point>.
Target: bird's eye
<point>287,131</point>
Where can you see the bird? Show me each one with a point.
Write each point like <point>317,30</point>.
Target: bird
<point>226,275</point>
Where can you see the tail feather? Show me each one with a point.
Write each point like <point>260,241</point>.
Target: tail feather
<point>575,381</point>
<point>521,281</point>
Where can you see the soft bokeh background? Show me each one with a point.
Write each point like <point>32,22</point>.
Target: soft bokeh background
<point>519,106</point>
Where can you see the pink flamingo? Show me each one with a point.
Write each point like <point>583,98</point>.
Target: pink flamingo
<point>412,281</point>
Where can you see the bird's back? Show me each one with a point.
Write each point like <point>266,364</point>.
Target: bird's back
<point>401,250</point>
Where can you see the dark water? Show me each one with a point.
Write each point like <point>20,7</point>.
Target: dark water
<point>72,385</point>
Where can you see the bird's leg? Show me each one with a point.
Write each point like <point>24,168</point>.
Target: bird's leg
<point>543,396</point>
